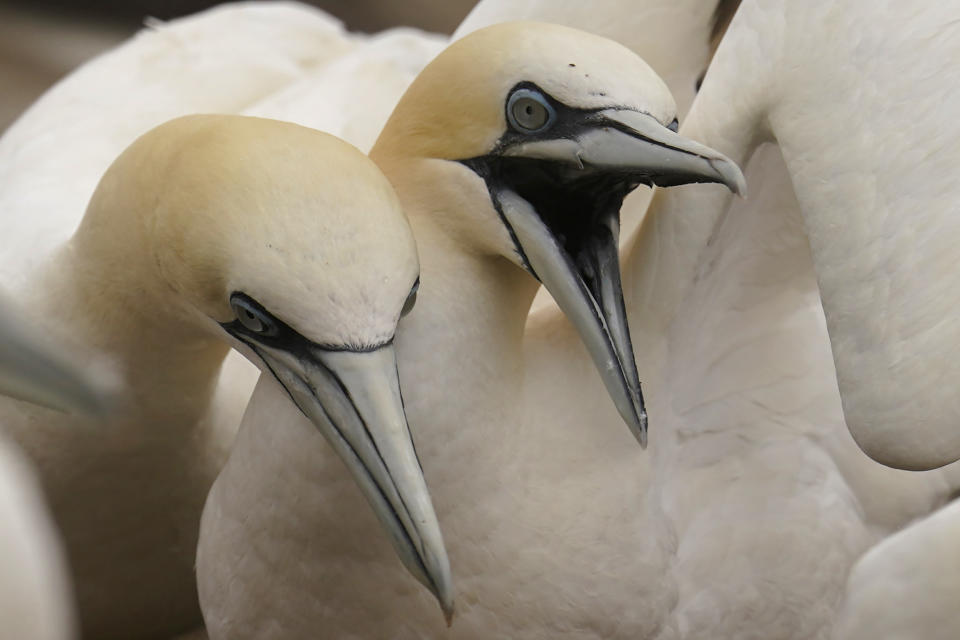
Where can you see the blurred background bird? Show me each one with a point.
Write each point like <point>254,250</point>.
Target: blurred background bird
<point>41,42</point>
<point>35,588</point>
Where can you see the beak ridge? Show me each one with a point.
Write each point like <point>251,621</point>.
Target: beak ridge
<point>634,142</point>
<point>666,151</point>
<point>561,197</point>
<point>353,398</point>
<point>596,308</point>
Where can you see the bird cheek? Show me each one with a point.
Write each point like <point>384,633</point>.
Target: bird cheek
<point>472,215</point>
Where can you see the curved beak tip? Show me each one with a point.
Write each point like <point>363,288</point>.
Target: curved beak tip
<point>442,589</point>
<point>731,176</point>
<point>354,399</point>
<point>639,429</point>
<point>441,586</point>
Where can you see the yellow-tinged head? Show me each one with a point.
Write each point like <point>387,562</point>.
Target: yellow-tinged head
<point>291,245</point>
<point>297,219</point>
<point>521,140</point>
<point>455,109</point>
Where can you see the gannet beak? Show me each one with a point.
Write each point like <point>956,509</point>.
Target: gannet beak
<point>31,370</point>
<point>561,198</point>
<point>593,304</point>
<point>667,158</point>
<point>353,398</point>
<point>637,145</point>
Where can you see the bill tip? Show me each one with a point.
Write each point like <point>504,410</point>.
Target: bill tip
<point>730,175</point>
<point>741,188</point>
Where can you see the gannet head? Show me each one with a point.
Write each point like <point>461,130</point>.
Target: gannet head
<point>291,244</point>
<point>542,130</point>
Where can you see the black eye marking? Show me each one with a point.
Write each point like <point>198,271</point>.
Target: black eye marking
<point>528,111</point>
<point>565,121</point>
<point>255,326</point>
<point>674,126</point>
<point>411,299</point>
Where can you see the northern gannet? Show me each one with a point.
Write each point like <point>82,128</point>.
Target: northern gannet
<point>209,232</point>
<point>875,202</point>
<point>673,37</point>
<point>746,384</point>
<point>886,499</point>
<point>888,282</point>
<point>516,164</point>
<point>751,383</point>
<point>880,272</point>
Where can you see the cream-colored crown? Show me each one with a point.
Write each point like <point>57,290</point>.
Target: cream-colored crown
<point>455,109</point>
<point>297,219</point>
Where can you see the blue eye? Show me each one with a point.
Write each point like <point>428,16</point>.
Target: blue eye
<point>252,318</point>
<point>674,126</point>
<point>529,112</point>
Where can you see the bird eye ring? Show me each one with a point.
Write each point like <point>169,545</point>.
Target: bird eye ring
<point>529,112</point>
<point>252,318</point>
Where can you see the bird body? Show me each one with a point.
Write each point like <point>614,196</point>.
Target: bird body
<point>870,207</point>
<point>906,586</point>
<point>191,221</point>
<point>227,60</point>
<point>724,297</point>
<point>740,106</point>
<point>126,494</point>
<point>758,378</point>
<point>884,286</point>
<point>533,522</point>
<point>531,548</point>
<point>35,599</point>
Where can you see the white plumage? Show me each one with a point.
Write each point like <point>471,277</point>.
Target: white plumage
<point>908,586</point>
<point>747,398</point>
<point>746,292</point>
<point>198,232</point>
<point>857,101</point>
<point>518,498</point>
<point>35,598</point>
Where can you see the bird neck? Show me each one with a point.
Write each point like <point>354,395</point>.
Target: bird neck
<point>115,309</point>
<point>472,307</point>
<point>463,341</point>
